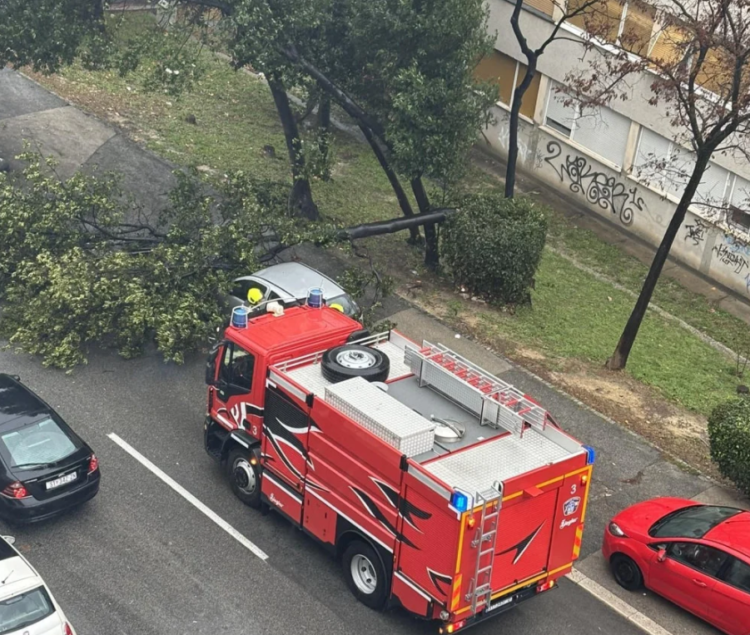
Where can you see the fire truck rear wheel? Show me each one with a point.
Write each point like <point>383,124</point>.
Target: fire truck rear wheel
<point>365,575</point>
<point>627,573</point>
<point>244,475</point>
<point>353,360</point>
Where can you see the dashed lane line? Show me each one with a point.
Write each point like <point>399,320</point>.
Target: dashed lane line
<point>189,497</point>
<point>623,608</point>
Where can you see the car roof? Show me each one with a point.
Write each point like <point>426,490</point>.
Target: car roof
<point>295,279</point>
<point>17,401</point>
<point>734,533</point>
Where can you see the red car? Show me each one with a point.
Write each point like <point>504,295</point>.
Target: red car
<point>697,556</point>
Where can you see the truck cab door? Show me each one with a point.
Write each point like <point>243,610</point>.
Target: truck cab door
<point>236,393</point>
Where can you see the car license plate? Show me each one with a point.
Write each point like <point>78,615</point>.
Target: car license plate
<point>62,480</point>
<point>500,603</point>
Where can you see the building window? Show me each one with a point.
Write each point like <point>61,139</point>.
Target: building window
<point>631,23</point>
<point>602,19</point>
<point>546,7</point>
<point>602,131</point>
<point>738,214</point>
<point>667,166</point>
<point>507,73</point>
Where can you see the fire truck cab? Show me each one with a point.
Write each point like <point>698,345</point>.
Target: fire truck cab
<point>441,488</point>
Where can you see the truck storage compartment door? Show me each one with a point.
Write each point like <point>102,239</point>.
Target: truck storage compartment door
<point>285,457</point>
<point>523,538</point>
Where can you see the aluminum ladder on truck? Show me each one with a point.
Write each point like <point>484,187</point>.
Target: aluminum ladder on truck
<point>481,587</point>
<point>495,402</point>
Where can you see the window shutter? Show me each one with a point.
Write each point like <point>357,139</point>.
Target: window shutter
<point>559,116</point>
<point>500,69</point>
<point>601,19</point>
<point>528,107</point>
<point>653,149</point>
<point>544,6</point>
<point>713,185</point>
<point>638,27</point>
<point>604,132</point>
<point>670,46</point>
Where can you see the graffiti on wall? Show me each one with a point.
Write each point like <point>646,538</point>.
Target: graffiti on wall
<point>696,231</point>
<point>733,252</point>
<point>598,188</point>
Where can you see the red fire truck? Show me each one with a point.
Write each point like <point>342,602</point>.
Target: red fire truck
<point>440,487</point>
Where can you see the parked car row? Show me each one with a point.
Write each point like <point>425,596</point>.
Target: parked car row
<point>45,470</point>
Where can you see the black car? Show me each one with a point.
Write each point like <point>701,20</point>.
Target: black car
<point>45,467</point>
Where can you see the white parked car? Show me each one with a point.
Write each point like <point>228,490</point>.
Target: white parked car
<point>27,607</point>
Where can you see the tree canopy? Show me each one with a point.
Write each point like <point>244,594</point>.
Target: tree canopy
<point>46,34</point>
<point>81,265</point>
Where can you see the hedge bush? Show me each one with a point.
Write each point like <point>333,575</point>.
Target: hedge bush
<point>729,435</point>
<point>493,246</point>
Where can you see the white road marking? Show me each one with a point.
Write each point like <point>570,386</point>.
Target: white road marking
<point>189,497</point>
<point>615,603</point>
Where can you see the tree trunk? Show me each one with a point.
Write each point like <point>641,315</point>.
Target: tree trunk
<point>301,199</point>
<point>324,127</point>
<point>324,112</point>
<point>403,199</point>
<point>620,356</point>
<point>431,256</point>
<point>515,110</point>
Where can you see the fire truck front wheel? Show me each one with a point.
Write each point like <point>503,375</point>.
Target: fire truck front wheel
<point>244,476</point>
<point>365,575</point>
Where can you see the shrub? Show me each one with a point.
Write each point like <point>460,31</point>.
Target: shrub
<point>729,435</point>
<point>492,247</point>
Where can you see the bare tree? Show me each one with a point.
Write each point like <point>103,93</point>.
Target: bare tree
<point>700,77</point>
<point>564,13</point>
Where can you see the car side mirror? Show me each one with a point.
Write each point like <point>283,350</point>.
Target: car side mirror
<point>9,539</point>
<point>661,556</point>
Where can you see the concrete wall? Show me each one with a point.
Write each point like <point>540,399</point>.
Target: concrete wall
<point>710,246</point>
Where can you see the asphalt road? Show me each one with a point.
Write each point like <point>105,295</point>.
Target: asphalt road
<point>141,560</point>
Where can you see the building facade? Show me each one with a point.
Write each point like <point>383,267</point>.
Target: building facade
<point>607,159</point>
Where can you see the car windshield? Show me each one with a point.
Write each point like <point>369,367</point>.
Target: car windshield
<point>41,442</point>
<point>344,301</point>
<point>24,610</point>
<point>691,522</point>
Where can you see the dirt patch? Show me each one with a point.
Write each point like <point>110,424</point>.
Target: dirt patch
<point>530,353</point>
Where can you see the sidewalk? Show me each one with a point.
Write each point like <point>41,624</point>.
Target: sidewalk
<point>614,234</point>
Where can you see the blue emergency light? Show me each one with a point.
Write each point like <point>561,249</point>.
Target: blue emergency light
<point>590,454</point>
<point>460,501</point>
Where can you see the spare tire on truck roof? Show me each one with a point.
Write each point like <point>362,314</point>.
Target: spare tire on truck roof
<point>353,360</point>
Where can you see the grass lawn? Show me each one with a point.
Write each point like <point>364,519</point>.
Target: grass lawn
<point>574,316</point>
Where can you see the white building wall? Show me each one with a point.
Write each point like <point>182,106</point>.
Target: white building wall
<point>704,243</point>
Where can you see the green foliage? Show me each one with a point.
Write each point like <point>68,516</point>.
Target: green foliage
<point>47,33</point>
<point>79,266</point>
<point>729,435</point>
<point>368,288</point>
<point>493,246</point>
